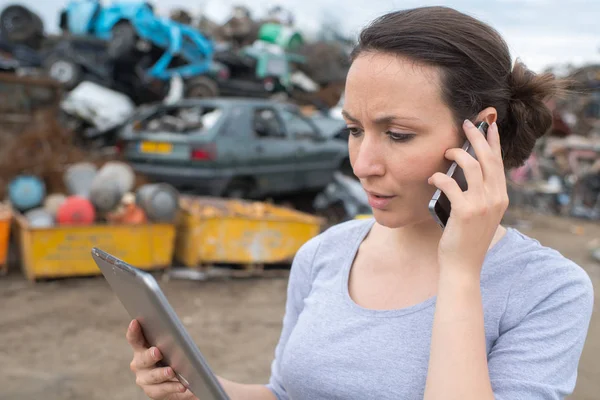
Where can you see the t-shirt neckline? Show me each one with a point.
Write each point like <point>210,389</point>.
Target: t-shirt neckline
<point>349,260</point>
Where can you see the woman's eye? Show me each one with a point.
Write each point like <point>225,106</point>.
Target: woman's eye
<point>400,137</point>
<point>354,131</point>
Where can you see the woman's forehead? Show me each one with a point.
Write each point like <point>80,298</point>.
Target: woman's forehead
<point>381,84</point>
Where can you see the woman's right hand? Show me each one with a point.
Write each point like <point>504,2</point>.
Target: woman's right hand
<point>159,383</point>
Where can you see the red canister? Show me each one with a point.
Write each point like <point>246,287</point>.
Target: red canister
<point>76,210</point>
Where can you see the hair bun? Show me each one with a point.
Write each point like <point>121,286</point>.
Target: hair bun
<point>528,117</point>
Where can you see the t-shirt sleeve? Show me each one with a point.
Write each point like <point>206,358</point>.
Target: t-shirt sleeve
<point>542,332</point>
<point>299,285</point>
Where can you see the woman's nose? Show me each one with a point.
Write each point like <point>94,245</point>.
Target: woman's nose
<point>368,160</point>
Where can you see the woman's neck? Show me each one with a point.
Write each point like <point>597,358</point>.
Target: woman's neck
<point>417,242</point>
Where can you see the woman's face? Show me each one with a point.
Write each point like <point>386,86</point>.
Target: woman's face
<point>399,131</point>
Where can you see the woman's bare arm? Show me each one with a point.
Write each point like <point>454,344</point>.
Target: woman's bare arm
<point>240,391</point>
<point>458,361</point>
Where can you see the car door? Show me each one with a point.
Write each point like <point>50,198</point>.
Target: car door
<point>316,157</point>
<point>266,153</point>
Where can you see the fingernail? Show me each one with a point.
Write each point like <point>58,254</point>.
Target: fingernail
<point>468,122</point>
<point>153,352</point>
<point>494,125</point>
<point>181,388</point>
<point>131,325</point>
<point>168,372</point>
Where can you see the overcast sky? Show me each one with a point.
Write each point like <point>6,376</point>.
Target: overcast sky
<point>540,32</point>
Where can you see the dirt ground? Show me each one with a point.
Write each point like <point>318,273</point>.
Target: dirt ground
<point>64,339</point>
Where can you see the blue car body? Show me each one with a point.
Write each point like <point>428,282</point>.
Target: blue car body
<point>90,17</point>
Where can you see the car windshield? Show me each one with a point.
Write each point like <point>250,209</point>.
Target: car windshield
<point>182,119</point>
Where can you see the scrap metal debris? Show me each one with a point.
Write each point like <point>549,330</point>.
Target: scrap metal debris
<point>101,73</point>
<point>139,55</point>
<point>342,200</point>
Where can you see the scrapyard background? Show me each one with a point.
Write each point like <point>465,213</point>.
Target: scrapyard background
<point>112,130</point>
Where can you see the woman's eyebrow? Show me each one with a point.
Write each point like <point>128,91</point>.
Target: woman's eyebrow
<point>347,115</point>
<point>382,120</point>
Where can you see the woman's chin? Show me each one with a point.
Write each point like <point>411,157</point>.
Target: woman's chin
<point>394,219</point>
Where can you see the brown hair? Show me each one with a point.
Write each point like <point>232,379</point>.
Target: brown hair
<point>476,71</point>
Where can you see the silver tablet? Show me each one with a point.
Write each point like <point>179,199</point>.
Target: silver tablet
<point>143,299</point>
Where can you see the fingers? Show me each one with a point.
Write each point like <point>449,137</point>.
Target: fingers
<point>493,137</point>
<point>163,390</point>
<point>470,167</point>
<point>446,185</point>
<point>135,337</point>
<point>477,139</point>
<point>157,383</point>
<point>155,376</point>
<point>143,357</point>
<point>146,359</point>
<point>483,150</point>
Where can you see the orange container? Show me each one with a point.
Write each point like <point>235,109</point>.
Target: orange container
<point>5,220</point>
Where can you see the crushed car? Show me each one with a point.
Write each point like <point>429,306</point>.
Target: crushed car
<point>157,48</point>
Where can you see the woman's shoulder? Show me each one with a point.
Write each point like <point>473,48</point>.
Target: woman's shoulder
<point>538,275</point>
<point>334,243</point>
<point>521,249</point>
<point>343,237</point>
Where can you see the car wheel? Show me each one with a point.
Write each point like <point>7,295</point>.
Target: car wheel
<point>201,87</point>
<point>65,71</point>
<point>122,42</point>
<point>239,189</point>
<point>18,24</point>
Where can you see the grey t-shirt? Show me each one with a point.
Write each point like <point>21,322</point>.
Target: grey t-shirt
<point>537,307</point>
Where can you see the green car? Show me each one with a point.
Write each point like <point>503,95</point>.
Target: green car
<point>233,147</point>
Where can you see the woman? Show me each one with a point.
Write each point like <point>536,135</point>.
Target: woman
<point>396,308</point>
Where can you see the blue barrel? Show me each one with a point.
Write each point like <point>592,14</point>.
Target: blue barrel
<point>26,192</point>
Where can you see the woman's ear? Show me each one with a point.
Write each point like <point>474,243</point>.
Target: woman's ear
<point>489,115</point>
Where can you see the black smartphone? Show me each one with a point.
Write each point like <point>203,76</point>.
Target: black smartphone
<point>439,205</point>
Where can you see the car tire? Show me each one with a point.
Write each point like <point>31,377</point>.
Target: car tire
<point>240,188</point>
<point>122,42</point>
<point>63,70</point>
<point>201,87</point>
<point>19,25</point>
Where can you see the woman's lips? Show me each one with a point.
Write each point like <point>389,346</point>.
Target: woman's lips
<point>379,201</point>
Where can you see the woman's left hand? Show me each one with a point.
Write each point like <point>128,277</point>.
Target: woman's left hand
<point>477,212</point>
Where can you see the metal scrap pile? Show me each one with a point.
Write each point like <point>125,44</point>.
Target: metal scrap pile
<point>43,150</point>
<point>110,59</point>
<point>313,73</point>
<point>127,47</point>
<point>41,160</point>
<point>32,141</point>
<point>562,176</point>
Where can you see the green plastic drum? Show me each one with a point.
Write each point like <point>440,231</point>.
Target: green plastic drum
<point>283,36</point>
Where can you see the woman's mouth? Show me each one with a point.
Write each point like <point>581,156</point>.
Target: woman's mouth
<point>379,201</point>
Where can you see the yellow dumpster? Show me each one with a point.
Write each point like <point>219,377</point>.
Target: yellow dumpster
<point>5,221</point>
<point>213,231</point>
<point>65,251</point>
